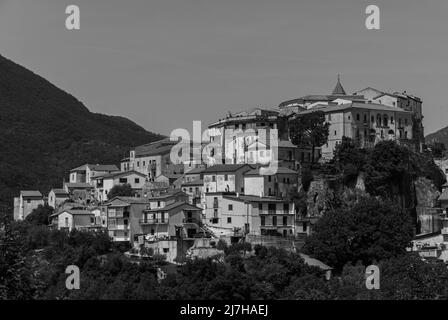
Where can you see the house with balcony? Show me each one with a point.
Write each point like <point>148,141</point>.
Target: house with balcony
<point>175,220</point>
<point>250,214</point>
<point>123,217</point>
<point>282,184</point>
<point>26,202</point>
<point>195,191</point>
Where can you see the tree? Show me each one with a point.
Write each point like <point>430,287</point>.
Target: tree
<point>438,149</point>
<point>368,230</point>
<point>309,130</point>
<point>349,159</point>
<point>16,277</point>
<point>39,216</point>
<point>124,190</point>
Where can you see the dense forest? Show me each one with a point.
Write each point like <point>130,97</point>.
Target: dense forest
<point>44,132</point>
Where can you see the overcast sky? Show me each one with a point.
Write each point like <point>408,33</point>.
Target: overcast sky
<point>165,63</point>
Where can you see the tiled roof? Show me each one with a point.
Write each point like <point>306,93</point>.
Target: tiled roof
<point>168,194</point>
<point>197,182</point>
<point>60,192</point>
<point>30,193</point>
<point>119,174</point>
<point>225,168</point>
<point>181,204</point>
<point>338,89</point>
<point>97,167</point>
<point>78,185</point>
<point>251,198</point>
<point>280,170</point>
<point>195,171</point>
<point>367,106</point>
<point>314,262</point>
<point>444,195</point>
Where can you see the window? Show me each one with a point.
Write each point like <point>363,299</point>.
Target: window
<point>372,119</point>
<point>66,222</point>
<point>348,117</point>
<point>137,180</point>
<point>92,220</point>
<point>144,163</point>
<point>392,120</point>
<point>125,222</point>
<point>190,189</point>
<point>269,178</point>
<point>405,134</point>
<point>215,213</point>
<point>230,207</point>
<point>406,121</point>
<point>125,234</point>
<point>229,220</point>
<point>158,203</point>
<point>260,207</point>
<point>213,178</point>
<point>262,220</point>
<point>385,120</point>
<point>28,201</point>
<point>271,207</point>
<point>274,220</point>
<point>123,180</point>
<point>357,117</point>
<point>335,133</point>
<point>226,177</point>
<point>138,164</point>
<point>286,207</point>
<point>365,118</point>
<point>166,250</point>
<point>285,221</point>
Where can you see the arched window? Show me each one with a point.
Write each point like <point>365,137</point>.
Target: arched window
<point>378,120</point>
<point>385,121</point>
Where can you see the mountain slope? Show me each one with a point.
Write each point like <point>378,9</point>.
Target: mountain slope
<point>438,136</point>
<point>44,132</point>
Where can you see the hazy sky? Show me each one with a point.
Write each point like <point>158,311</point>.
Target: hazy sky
<point>165,63</point>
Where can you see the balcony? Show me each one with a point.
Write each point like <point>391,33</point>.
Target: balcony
<point>190,220</point>
<point>153,221</point>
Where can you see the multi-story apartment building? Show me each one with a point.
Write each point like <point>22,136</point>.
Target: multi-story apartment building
<point>283,184</point>
<point>26,202</point>
<point>225,177</point>
<point>123,217</point>
<point>248,214</point>
<point>153,159</point>
<point>195,191</point>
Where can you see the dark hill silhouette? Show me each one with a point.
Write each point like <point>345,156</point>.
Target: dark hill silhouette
<point>44,132</point>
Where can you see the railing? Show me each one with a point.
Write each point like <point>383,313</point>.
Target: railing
<point>190,220</point>
<point>153,221</point>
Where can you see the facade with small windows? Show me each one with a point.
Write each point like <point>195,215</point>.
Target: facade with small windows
<point>366,124</point>
<point>103,184</point>
<point>225,178</point>
<point>75,219</point>
<point>56,197</point>
<point>195,191</point>
<point>123,217</point>
<point>153,159</point>
<point>26,202</point>
<point>282,184</point>
<point>247,214</point>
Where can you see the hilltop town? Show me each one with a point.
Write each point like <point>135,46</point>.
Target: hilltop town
<point>180,210</point>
